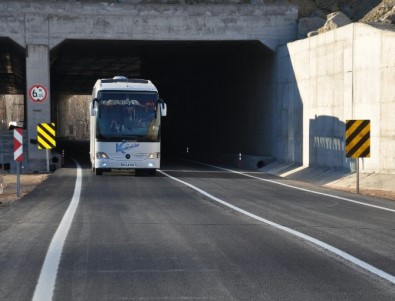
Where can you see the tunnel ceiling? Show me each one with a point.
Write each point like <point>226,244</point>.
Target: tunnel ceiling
<point>12,67</point>
<point>76,64</point>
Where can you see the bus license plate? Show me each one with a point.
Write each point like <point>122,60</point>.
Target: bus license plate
<point>128,164</point>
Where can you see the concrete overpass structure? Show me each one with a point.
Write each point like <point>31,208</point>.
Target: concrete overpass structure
<point>65,46</point>
<point>234,78</point>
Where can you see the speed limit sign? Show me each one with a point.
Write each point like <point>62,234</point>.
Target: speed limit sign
<point>38,93</point>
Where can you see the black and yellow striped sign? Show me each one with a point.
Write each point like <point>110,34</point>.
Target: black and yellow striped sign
<point>358,138</point>
<point>46,135</point>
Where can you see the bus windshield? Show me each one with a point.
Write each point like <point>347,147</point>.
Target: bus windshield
<point>125,115</point>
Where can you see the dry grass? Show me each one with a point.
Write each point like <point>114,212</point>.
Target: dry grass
<point>27,182</point>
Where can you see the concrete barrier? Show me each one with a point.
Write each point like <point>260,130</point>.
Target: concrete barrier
<point>322,81</point>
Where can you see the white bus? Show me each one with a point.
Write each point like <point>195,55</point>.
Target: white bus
<point>125,125</point>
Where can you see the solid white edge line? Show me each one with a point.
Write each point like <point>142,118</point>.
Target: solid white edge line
<point>46,282</point>
<point>362,264</point>
<point>299,188</point>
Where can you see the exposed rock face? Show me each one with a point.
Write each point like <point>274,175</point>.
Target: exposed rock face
<point>335,20</point>
<point>344,12</point>
<point>309,24</point>
<point>382,13</point>
<point>316,25</point>
<point>389,17</point>
<point>328,5</point>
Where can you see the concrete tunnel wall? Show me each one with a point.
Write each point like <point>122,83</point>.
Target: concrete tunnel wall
<point>347,73</point>
<point>39,26</point>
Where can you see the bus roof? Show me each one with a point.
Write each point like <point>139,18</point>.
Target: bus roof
<point>123,83</point>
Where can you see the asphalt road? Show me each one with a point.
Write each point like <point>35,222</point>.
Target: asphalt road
<point>154,238</point>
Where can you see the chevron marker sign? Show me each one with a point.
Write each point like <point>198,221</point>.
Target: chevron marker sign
<point>18,144</point>
<point>358,138</point>
<point>46,135</point>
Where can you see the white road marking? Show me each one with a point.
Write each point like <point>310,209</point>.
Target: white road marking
<point>299,188</point>
<point>362,264</point>
<point>46,282</point>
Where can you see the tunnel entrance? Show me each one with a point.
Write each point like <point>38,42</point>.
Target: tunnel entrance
<point>12,67</point>
<point>217,92</point>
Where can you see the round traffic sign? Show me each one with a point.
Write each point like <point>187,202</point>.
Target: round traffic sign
<point>38,93</point>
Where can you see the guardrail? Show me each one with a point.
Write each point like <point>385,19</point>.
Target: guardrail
<point>6,147</point>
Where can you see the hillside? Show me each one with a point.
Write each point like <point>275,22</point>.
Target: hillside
<point>317,16</point>
<point>356,10</point>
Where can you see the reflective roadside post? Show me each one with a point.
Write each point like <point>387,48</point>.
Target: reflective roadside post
<point>18,157</point>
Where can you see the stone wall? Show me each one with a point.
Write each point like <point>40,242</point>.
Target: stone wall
<point>73,117</point>
<point>11,109</point>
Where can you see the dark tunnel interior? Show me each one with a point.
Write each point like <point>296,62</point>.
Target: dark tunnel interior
<point>217,92</point>
<point>12,67</point>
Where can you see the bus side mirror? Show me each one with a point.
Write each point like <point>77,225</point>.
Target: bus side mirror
<point>94,107</point>
<point>163,108</point>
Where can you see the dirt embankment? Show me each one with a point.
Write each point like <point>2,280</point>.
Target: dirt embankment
<point>8,186</point>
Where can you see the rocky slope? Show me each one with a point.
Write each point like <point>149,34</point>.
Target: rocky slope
<point>317,16</point>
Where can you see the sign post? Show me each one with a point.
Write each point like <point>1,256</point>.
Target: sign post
<point>357,142</point>
<point>18,157</point>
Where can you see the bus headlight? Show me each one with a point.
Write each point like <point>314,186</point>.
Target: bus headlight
<point>153,156</point>
<point>101,155</point>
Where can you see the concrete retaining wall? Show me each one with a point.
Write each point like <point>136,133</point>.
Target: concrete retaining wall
<point>347,73</point>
